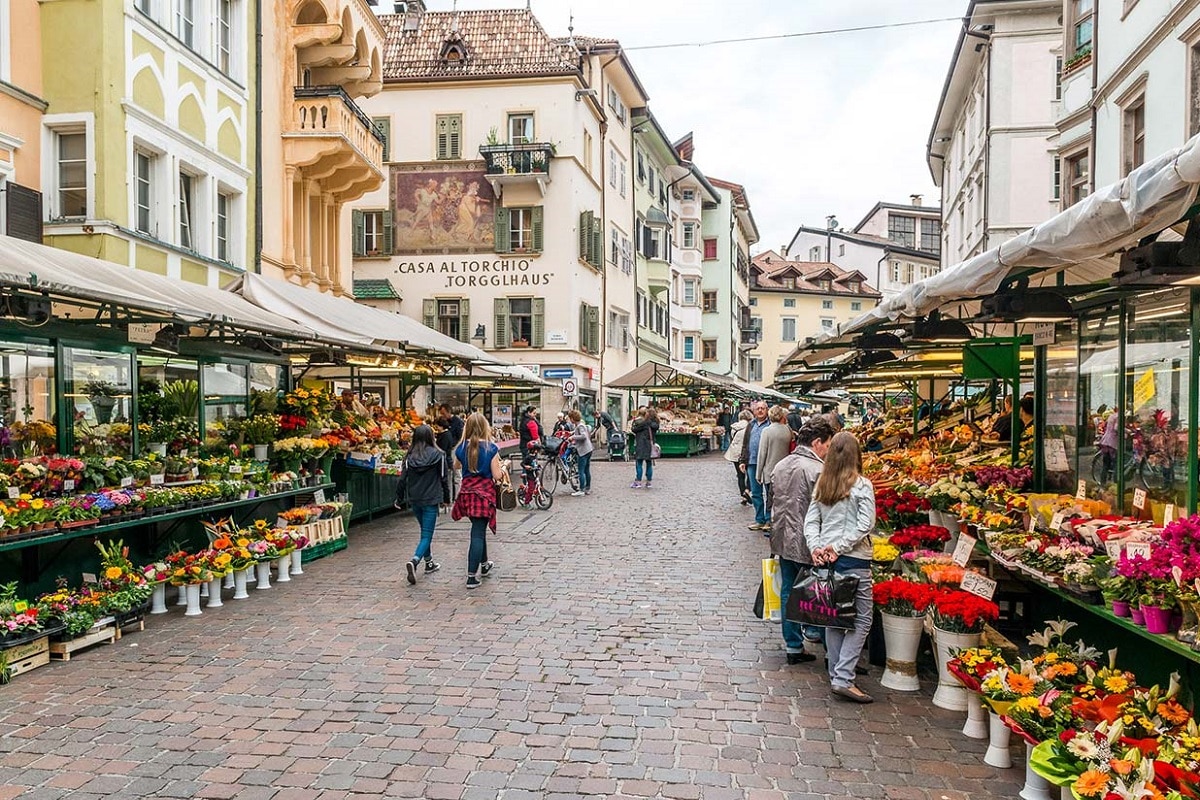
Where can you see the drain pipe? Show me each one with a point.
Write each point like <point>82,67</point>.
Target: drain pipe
<point>258,137</point>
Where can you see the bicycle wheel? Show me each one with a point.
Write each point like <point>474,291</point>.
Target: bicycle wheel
<point>1099,473</point>
<point>544,499</point>
<point>1155,476</point>
<point>573,473</point>
<point>549,476</point>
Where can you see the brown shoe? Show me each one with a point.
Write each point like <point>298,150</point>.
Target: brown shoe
<point>853,694</point>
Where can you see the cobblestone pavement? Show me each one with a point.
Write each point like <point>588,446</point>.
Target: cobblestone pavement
<point>611,654</point>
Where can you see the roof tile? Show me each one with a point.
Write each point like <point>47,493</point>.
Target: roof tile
<point>374,289</point>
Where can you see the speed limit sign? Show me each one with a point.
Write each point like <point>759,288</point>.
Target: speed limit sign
<point>570,388</point>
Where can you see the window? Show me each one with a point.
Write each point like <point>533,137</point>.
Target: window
<point>520,128</point>
<point>814,253</point>
<point>754,369</point>
<point>856,306</point>
<point>826,323</point>
<point>841,249</point>
<point>589,328</point>
<point>449,137</point>
<point>449,318</point>
<point>621,175</point>
<point>931,236</point>
<point>614,103</point>
<point>788,282</point>
<point>617,330</point>
<point>901,272</point>
<point>708,348</point>
<point>789,302</point>
<point>1194,89</point>
<point>72,174</point>
<point>689,292</point>
<point>520,320</point>
<point>143,177</point>
<point>1058,64</point>
<point>1080,30</point>
<point>652,242</point>
<point>591,239</point>
<point>587,151</point>
<point>902,230</point>
<point>224,207</point>
<point>710,249</point>
<point>854,286</point>
<point>753,301</point>
<point>372,233</point>
<point>689,348</point>
<point>789,329</point>
<point>186,206</point>
<point>225,36</point>
<point>689,195</point>
<point>709,302</point>
<point>384,126</point>
<point>640,159</point>
<point>145,6</point>
<point>518,230</point>
<point>1056,179</point>
<point>826,304</point>
<point>614,255</point>
<point>825,284</point>
<point>1077,177</point>
<point>1134,134</point>
<point>185,28</point>
<point>689,235</point>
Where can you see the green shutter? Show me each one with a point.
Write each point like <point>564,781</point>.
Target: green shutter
<point>388,235</point>
<point>537,229</point>
<point>429,312</point>
<point>501,322</point>
<point>384,125</point>
<point>464,320</point>
<point>502,232</point>
<point>585,236</point>
<point>594,329</point>
<point>539,321</point>
<point>359,243</point>
<point>583,327</point>
<point>597,244</point>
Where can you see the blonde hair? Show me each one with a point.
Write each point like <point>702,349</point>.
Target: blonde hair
<point>777,414</point>
<point>843,464</point>
<point>475,430</point>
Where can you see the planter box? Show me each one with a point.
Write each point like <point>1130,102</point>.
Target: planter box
<point>81,523</point>
<point>103,632</point>
<point>28,656</point>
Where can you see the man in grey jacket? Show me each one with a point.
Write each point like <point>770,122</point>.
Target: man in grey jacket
<point>792,481</point>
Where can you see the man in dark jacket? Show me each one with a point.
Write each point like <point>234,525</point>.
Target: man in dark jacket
<point>725,421</point>
<point>792,483</point>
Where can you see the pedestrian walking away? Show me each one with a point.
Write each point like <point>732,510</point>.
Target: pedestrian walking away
<point>774,444</point>
<point>582,439</point>
<point>733,454</point>
<point>644,428</point>
<point>725,422</point>
<point>425,483</point>
<point>479,460</point>
<point>748,463</point>
<point>837,530</point>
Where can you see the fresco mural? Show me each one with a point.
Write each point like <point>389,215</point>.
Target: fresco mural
<point>442,210</point>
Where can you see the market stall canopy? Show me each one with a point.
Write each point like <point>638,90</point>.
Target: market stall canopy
<point>512,373</point>
<point>345,320</point>
<point>71,276</point>
<point>1150,199</point>
<point>653,375</point>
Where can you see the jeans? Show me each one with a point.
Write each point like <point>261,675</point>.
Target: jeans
<point>649,469</point>
<point>585,473</point>
<point>793,637</point>
<point>845,646</point>
<point>743,487</point>
<point>762,515</point>
<point>477,554</point>
<point>427,517</point>
<point>724,441</point>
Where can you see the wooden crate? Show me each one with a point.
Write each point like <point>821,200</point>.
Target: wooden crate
<point>101,633</point>
<point>31,655</point>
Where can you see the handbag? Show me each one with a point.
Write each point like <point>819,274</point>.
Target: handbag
<point>823,597</point>
<point>655,450</point>
<point>506,497</point>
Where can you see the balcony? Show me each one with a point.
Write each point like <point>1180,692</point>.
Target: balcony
<point>329,139</point>
<point>750,338</point>
<point>658,275</point>
<point>512,164</point>
<point>338,42</point>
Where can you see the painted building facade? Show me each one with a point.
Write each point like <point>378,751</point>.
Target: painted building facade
<point>727,334</point>
<point>656,234</point>
<point>147,146</point>
<point>21,109</point>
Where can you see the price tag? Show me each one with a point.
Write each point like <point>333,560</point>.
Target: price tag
<point>157,480</point>
<point>126,482</point>
<point>1168,514</point>
<point>68,485</point>
<point>235,469</point>
<point>978,585</point>
<point>1138,549</point>
<point>1033,520</point>
<point>21,606</point>
<point>1113,548</point>
<point>1139,499</point>
<point>1057,520</point>
<point>89,577</point>
<point>963,550</point>
<point>1081,491</point>
<point>319,497</point>
<point>195,472</point>
<point>14,493</point>
<point>280,522</point>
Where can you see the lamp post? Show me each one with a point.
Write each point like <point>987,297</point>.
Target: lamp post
<point>830,223</point>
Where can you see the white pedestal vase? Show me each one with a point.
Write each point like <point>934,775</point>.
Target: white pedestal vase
<point>193,600</point>
<point>902,638</point>
<point>228,584</point>
<point>158,599</point>
<point>951,694</point>
<point>214,593</point>
<point>999,736</point>
<point>239,584</point>
<point>1036,787</point>
<point>182,599</point>
<point>260,452</point>
<point>283,566</point>
<point>976,726</point>
<point>204,590</point>
<point>297,562</point>
<point>1066,793</point>
<point>263,570</point>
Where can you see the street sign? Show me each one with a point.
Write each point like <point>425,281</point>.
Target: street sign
<point>570,387</point>
<point>558,372</point>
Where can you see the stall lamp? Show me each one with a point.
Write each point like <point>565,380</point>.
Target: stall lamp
<point>1027,306</point>
<point>937,329</point>
<point>166,341</point>
<point>879,341</point>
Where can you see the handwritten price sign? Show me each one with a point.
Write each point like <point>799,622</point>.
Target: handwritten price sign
<point>963,550</point>
<point>979,585</point>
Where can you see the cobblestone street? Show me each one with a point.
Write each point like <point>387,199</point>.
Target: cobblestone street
<point>612,653</point>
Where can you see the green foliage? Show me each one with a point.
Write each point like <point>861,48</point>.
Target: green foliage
<point>184,396</point>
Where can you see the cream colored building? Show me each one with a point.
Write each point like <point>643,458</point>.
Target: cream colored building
<point>795,300</point>
<point>21,108</point>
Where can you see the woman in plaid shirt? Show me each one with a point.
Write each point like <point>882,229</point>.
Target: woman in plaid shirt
<point>482,469</point>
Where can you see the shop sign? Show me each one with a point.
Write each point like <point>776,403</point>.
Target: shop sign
<point>1143,389</point>
<point>556,337</point>
<point>143,332</point>
<point>1043,333</point>
<point>467,273</point>
<point>502,415</point>
<point>964,549</point>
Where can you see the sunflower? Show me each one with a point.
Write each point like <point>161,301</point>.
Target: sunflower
<point>1091,783</point>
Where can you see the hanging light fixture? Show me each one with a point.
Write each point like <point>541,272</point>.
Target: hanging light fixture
<point>935,329</point>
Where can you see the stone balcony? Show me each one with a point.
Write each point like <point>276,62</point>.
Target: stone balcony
<point>514,164</point>
<point>339,42</point>
<point>329,139</point>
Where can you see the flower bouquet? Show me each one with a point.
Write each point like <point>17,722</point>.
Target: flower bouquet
<point>903,598</point>
<point>956,611</point>
<point>916,537</point>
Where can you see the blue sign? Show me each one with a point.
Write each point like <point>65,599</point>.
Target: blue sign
<point>563,372</point>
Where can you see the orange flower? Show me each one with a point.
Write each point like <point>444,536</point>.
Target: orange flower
<point>1045,712</point>
<point>1091,783</point>
<point>1172,712</point>
<point>112,573</point>
<point>222,543</point>
<point>1021,684</point>
<point>1121,766</point>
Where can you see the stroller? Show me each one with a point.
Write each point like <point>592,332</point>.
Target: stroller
<point>615,436</point>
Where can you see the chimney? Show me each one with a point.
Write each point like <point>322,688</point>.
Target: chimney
<point>916,199</point>
<point>783,251</point>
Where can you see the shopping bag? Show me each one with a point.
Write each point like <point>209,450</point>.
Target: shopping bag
<point>771,582</point>
<point>824,598</point>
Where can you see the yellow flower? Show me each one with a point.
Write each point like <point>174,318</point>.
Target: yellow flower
<point>1116,684</point>
<point>1026,704</point>
<point>26,497</point>
<point>1051,658</point>
<point>37,504</point>
<point>112,573</point>
<point>243,541</point>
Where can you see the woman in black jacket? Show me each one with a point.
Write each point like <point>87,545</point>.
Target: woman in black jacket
<point>425,482</point>
<point>644,428</point>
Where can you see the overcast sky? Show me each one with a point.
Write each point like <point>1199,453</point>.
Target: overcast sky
<point>811,126</point>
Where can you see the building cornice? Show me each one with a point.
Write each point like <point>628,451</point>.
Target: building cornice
<point>17,93</point>
<point>1160,33</point>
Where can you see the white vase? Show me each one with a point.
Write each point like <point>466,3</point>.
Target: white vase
<point>950,694</point>
<point>228,584</point>
<point>204,590</point>
<point>158,599</point>
<point>260,452</point>
<point>976,726</point>
<point>239,584</point>
<point>214,593</point>
<point>297,562</point>
<point>158,448</point>
<point>283,566</point>
<point>263,569</point>
<point>193,600</point>
<point>182,599</point>
<point>999,736</point>
<point>1066,792</point>
<point>902,638</point>
<point>1036,787</point>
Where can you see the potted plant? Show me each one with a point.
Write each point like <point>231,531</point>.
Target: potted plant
<point>157,435</point>
<point>260,431</point>
<point>103,397</point>
<point>958,619</point>
<point>902,605</point>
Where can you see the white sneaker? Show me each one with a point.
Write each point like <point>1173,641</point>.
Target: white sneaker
<point>577,494</point>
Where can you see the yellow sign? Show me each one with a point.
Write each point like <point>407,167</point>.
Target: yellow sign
<point>1143,389</point>
<point>771,580</point>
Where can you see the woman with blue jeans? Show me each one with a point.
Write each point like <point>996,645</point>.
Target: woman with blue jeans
<point>424,484</point>
<point>581,438</point>
<point>643,429</point>
<point>482,469</point>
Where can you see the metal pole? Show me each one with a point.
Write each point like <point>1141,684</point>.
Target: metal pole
<point>1193,402</point>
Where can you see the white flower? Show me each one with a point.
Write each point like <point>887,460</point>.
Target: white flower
<point>1083,747</point>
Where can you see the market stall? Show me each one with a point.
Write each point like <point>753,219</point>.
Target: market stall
<point>687,420</point>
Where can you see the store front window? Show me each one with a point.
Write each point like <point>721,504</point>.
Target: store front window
<point>1060,443</point>
<point>99,388</point>
<point>27,407</point>
<point>1099,389</point>
<point>168,403</point>
<point>225,392</point>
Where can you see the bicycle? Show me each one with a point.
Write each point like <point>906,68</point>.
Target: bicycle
<point>1152,466</point>
<point>563,467</point>
<point>532,490</point>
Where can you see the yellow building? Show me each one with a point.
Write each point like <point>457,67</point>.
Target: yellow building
<point>21,108</point>
<point>791,301</point>
<point>319,150</point>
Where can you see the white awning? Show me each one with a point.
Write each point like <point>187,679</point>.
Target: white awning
<point>342,319</point>
<point>515,372</point>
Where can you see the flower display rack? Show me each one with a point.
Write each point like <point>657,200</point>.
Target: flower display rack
<point>28,656</point>
<point>103,632</point>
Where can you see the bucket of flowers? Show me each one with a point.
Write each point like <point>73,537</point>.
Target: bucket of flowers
<point>127,590</point>
<point>20,622</point>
